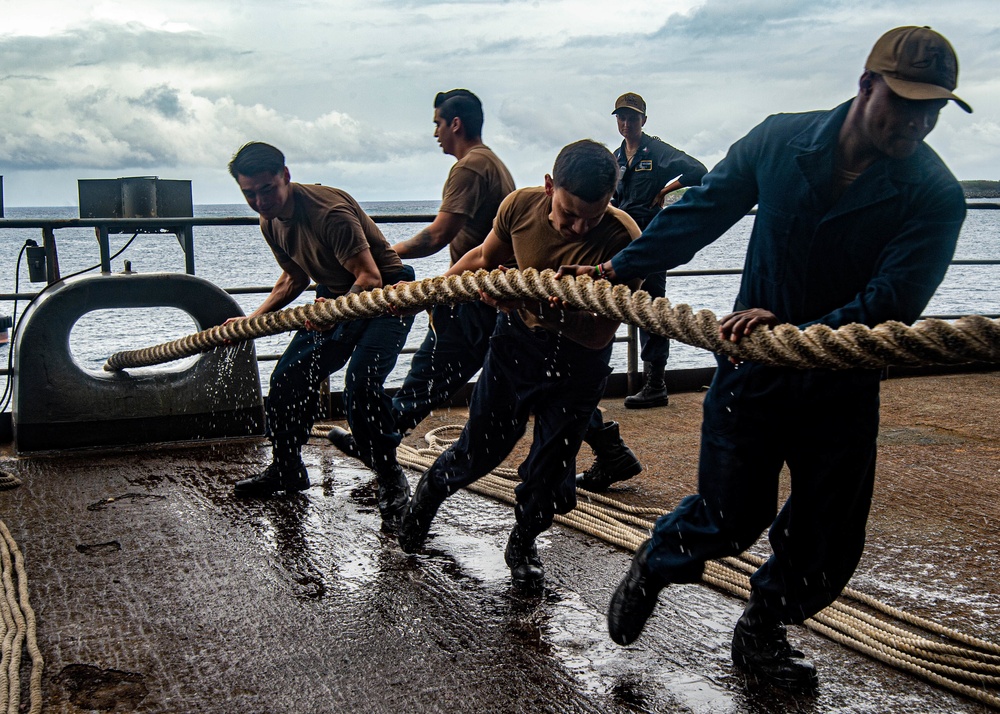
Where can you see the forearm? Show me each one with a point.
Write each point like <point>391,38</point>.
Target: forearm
<point>433,238</point>
<point>366,281</point>
<point>421,245</point>
<point>286,289</point>
<point>473,260</point>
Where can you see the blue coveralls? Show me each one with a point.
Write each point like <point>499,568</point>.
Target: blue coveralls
<point>369,348</point>
<point>655,164</point>
<point>877,253</point>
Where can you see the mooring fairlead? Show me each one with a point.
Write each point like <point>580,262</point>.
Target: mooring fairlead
<point>58,404</point>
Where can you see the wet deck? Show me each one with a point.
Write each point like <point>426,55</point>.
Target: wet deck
<point>156,591</point>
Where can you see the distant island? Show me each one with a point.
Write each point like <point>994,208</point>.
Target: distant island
<point>981,189</point>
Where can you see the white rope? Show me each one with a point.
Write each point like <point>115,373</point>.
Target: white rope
<point>18,627</point>
<point>938,654</point>
<point>969,339</point>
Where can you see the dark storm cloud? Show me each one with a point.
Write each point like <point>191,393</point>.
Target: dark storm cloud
<point>162,99</point>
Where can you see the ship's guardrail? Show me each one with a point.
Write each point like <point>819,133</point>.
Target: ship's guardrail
<point>183,229</point>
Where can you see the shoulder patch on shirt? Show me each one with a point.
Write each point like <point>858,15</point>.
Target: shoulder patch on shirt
<point>645,165</point>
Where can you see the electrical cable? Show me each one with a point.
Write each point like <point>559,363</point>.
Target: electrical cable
<point>8,391</point>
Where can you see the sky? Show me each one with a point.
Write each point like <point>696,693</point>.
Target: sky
<point>345,88</point>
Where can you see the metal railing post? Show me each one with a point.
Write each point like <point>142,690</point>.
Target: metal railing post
<point>51,255</point>
<point>104,242</point>
<point>632,363</point>
<point>185,236</point>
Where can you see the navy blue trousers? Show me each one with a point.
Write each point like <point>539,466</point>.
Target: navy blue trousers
<point>450,355</point>
<point>369,348</point>
<point>453,350</point>
<point>823,425</point>
<point>528,371</point>
<point>654,348</point>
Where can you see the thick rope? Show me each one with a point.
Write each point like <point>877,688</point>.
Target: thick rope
<point>18,630</point>
<point>969,339</point>
<point>938,654</point>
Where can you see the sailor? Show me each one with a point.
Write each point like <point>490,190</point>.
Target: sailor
<point>542,359</point>
<point>857,221</point>
<point>649,169</point>
<point>457,340</point>
<point>321,234</point>
<point>455,345</point>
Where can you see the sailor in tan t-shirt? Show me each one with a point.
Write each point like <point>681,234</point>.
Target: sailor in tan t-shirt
<point>320,233</point>
<point>543,359</point>
<point>455,346</point>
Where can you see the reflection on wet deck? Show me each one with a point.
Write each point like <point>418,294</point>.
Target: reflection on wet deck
<point>156,591</point>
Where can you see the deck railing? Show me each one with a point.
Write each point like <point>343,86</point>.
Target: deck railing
<point>183,230</point>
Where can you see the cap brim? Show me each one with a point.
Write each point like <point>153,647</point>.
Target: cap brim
<point>626,109</point>
<point>921,91</point>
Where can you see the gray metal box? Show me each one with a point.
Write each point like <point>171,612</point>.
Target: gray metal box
<point>135,197</point>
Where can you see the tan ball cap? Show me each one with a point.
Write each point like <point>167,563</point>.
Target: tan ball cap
<point>630,100</point>
<point>917,63</point>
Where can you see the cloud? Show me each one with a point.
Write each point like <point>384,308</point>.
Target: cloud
<point>345,88</point>
<point>95,99</point>
<point>164,126</point>
<point>163,100</point>
<point>106,45</point>
<point>722,20</point>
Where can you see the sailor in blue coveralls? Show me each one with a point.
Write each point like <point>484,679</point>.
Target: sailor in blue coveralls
<point>648,170</point>
<point>857,222</point>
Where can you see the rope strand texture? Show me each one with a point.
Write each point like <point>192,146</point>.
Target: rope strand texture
<point>969,339</point>
<point>18,630</point>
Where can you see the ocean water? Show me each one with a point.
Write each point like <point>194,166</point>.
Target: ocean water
<point>234,256</point>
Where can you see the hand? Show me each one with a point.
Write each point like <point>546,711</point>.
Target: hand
<point>309,325</point>
<point>737,325</point>
<point>576,271</point>
<point>231,320</point>
<point>503,305</point>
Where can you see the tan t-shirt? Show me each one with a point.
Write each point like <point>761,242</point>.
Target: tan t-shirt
<point>476,185</point>
<point>327,228</point>
<point>523,222</point>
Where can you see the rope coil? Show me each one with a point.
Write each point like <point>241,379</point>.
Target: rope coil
<point>971,338</point>
<point>17,630</point>
<point>946,657</point>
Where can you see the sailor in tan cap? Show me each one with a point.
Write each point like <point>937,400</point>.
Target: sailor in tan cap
<point>857,222</point>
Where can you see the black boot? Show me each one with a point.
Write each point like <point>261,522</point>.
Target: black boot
<point>634,600</point>
<point>654,390</point>
<point>393,496</point>
<point>613,460</point>
<point>416,523</point>
<point>760,646</point>
<point>272,480</point>
<point>521,556</point>
<point>344,440</point>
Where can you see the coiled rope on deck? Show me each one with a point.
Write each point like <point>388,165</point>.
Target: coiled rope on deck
<point>17,630</point>
<point>971,338</point>
<point>948,658</point>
